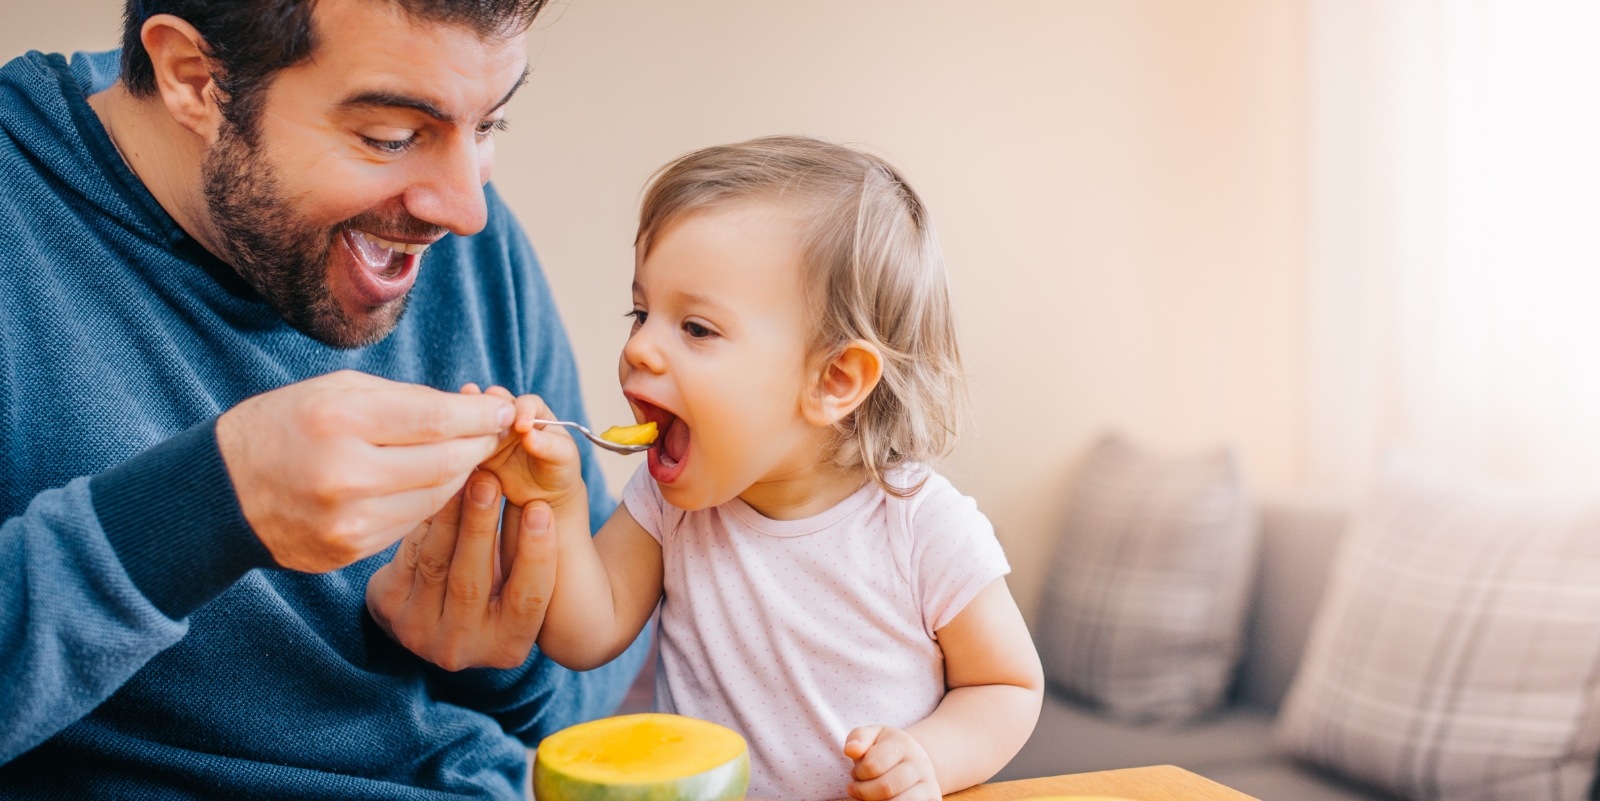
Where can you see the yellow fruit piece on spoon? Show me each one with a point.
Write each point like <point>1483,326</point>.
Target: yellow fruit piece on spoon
<point>642,434</point>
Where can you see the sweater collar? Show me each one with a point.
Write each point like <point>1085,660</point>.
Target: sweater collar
<point>44,109</point>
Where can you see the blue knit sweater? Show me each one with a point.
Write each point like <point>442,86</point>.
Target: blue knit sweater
<point>147,647</point>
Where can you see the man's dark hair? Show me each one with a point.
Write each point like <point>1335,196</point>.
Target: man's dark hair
<point>252,39</point>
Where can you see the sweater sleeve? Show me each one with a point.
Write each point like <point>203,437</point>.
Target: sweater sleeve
<point>75,624</point>
<point>98,577</point>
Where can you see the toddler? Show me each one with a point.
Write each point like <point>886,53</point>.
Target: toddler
<point>823,592</point>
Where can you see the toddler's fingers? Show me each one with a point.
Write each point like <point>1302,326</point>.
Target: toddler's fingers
<point>884,754</point>
<point>900,778</point>
<point>501,392</point>
<point>551,444</point>
<point>529,409</point>
<point>470,388</point>
<point>859,740</point>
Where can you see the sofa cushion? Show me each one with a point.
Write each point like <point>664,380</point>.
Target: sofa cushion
<point>1279,780</point>
<point>1143,610</point>
<point>1299,535</point>
<point>1072,739</point>
<point>1455,652</point>
<point>1234,748</point>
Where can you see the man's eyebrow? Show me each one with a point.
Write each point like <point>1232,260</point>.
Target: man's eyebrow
<point>380,99</point>
<point>383,99</point>
<point>521,81</point>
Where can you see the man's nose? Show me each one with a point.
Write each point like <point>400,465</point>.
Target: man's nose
<point>447,189</point>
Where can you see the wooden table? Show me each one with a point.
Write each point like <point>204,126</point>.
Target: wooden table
<point>1159,783</point>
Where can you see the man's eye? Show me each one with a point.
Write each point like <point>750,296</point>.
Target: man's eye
<point>391,145</point>
<point>696,330</point>
<point>488,126</point>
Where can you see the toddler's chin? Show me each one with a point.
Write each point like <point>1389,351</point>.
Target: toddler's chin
<point>684,495</point>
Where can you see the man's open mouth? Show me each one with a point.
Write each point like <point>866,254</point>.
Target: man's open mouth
<point>383,270</point>
<point>671,451</point>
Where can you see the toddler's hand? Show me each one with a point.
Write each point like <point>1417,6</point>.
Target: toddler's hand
<point>534,463</point>
<point>890,764</point>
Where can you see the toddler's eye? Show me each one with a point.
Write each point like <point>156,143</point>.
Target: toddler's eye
<point>695,329</point>
<point>638,316</point>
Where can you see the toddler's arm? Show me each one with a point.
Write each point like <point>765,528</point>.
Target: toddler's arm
<point>996,688</point>
<point>606,586</point>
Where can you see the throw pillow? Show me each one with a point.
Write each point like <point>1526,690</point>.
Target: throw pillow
<point>1454,654</point>
<point>1143,612</point>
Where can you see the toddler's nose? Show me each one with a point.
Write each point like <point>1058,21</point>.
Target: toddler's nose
<point>641,353</point>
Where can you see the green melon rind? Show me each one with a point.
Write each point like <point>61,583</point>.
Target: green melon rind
<point>726,782</point>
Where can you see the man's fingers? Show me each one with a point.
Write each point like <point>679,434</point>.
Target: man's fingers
<point>434,554</point>
<point>510,535</point>
<point>392,583</point>
<point>532,575</point>
<point>398,468</point>
<point>472,566</point>
<point>414,415</point>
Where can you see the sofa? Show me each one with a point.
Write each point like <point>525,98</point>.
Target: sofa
<point>1299,535</point>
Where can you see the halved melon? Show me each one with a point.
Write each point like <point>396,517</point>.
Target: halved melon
<point>641,434</point>
<point>650,757</point>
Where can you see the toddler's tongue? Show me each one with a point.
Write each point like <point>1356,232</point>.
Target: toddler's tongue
<point>676,443</point>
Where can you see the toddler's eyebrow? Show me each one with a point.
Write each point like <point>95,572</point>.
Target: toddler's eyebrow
<point>697,299</point>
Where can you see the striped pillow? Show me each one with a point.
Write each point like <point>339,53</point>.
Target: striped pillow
<point>1143,613</point>
<point>1454,655</point>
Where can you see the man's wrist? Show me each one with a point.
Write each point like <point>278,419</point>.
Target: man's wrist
<point>173,519</point>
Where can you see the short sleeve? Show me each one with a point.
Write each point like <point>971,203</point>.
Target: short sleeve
<point>645,502</point>
<point>954,553</point>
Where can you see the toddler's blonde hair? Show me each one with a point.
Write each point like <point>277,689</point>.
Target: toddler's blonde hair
<point>874,272</point>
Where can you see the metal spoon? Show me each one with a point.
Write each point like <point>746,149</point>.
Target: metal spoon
<point>595,438</point>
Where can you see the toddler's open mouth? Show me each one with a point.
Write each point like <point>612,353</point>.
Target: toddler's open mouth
<point>671,451</point>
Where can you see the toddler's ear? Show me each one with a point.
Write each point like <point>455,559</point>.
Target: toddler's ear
<point>843,383</point>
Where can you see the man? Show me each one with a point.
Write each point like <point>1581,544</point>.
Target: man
<point>243,267</point>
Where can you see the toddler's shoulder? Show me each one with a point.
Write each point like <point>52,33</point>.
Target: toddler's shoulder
<point>953,550</point>
<point>643,498</point>
<point>937,506</point>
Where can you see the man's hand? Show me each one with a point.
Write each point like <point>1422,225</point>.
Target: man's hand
<point>890,764</point>
<point>336,468</point>
<point>437,596</point>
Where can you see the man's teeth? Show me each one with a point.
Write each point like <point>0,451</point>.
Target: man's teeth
<point>415,250</point>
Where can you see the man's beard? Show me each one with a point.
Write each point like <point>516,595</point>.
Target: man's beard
<point>284,257</point>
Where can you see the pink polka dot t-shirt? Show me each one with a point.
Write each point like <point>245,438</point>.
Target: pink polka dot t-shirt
<point>794,632</point>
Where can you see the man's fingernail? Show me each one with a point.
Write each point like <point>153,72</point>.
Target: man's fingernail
<point>507,414</point>
<point>482,493</point>
<point>537,519</point>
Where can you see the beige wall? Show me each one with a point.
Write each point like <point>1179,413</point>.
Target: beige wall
<point>1118,185</point>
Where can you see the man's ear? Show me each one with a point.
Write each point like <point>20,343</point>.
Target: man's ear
<point>843,383</point>
<point>183,74</point>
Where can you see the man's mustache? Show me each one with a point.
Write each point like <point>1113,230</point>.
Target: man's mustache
<point>393,226</point>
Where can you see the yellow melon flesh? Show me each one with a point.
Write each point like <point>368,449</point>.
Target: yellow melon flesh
<point>642,434</point>
<point>648,757</point>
